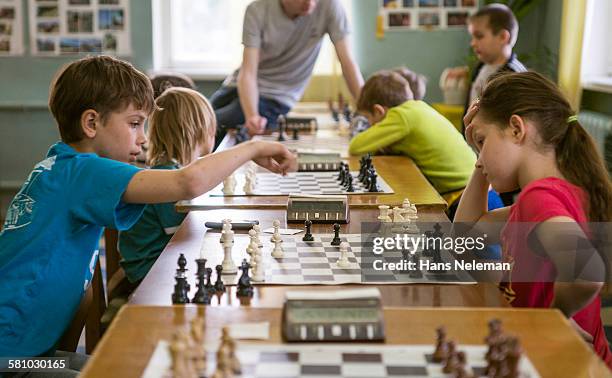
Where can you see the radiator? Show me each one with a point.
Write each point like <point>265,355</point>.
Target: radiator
<point>599,126</point>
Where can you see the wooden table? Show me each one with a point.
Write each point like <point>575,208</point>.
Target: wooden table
<point>399,172</point>
<point>158,285</point>
<point>546,336</point>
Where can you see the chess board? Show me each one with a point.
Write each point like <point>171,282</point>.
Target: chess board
<point>323,141</point>
<point>337,360</point>
<point>315,263</point>
<point>314,183</point>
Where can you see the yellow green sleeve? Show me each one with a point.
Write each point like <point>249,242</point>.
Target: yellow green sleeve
<point>390,130</point>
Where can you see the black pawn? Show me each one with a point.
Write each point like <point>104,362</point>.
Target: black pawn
<point>336,240</point>
<point>308,235</point>
<point>219,286</point>
<point>349,184</point>
<point>245,289</point>
<point>372,184</point>
<point>181,289</point>
<point>347,175</point>
<point>209,286</point>
<point>295,134</point>
<point>341,172</point>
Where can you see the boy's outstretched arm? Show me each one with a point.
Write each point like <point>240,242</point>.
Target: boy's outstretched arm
<point>157,186</point>
<point>385,133</point>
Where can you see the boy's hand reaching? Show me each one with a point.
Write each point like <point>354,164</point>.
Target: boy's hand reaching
<point>275,157</point>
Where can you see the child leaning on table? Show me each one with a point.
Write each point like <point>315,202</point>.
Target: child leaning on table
<point>404,126</point>
<point>181,130</point>
<point>528,138</point>
<point>50,237</point>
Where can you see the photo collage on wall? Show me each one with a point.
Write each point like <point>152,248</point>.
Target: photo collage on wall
<point>11,28</point>
<point>61,27</point>
<point>426,14</point>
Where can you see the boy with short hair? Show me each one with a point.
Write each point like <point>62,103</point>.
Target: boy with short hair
<point>54,223</point>
<point>403,126</point>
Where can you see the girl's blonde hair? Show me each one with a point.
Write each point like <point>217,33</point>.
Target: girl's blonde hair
<point>182,120</point>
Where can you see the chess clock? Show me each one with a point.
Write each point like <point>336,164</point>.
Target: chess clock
<point>318,209</point>
<point>336,316</point>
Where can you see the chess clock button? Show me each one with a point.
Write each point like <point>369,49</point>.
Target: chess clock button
<point>303,332</point>
<point>320,332</point>
<point>352,332</point>
<point>336,330</point>
<point>370,331</point>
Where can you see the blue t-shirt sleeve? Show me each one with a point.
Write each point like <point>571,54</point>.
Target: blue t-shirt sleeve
<point>169,218</point>
<point>98,185</point>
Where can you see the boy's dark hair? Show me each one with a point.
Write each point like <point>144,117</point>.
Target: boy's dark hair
<point>499,17</point>
<point>386,88</point>
<point>101,83</point>
<point>163,81</point>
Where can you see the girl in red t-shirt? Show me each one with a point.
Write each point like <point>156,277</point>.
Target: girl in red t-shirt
<point>528,138</point>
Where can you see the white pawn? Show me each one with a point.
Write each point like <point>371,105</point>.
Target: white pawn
<point>257,229</point>
<point>384,214</point>
<point>229,185</point>
<point>249,185</point>
<point>343,262</point>
<point>258,270</point>
<point>277,239</point>
<point>254,241</point>
<point>398,214</point>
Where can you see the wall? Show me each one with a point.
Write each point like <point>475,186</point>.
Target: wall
<point>27,129</point>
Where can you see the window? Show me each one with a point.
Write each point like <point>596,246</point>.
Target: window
<point>203,38</point>
<point>596,67</point>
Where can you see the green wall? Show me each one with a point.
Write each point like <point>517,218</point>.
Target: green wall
<point>27,130</point>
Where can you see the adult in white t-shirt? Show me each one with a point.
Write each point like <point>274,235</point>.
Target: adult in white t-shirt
<point>282,40</point>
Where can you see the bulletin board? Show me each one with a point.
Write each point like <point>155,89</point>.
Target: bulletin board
<point>68,27</point>
<point>11,28</point>
<point>426,14</point>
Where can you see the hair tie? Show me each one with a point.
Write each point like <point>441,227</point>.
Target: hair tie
<point>571,119</point>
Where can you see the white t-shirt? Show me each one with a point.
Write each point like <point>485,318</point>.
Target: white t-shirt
<point>485,72</point>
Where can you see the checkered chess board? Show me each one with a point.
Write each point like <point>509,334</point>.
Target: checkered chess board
<point>337,360</point>
<point>308,263</point>
<point>314,183</point>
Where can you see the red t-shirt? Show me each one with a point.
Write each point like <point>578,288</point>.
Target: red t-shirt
<point>530,282</point>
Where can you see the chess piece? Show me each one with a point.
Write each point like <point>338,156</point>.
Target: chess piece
<point>249,185</point>
<point>398,215</point>
<point>277,251</point>
<point>178,347</point>
<point>258,273</point>
<point>451,362</point>
<point>372,184</point>
<point>416,272</point>
<point>209,286</point>
<point>182,263</point>
<point>257,229</point>
<point>295,135</point>
<point>341,172</point>
<point>441,352</point>
<point>461,368</point>
<point>219,285</point>
<point>245,288</point>
<point>253,240</point>
<point>336,240</point>
<point>229,185</point>
<point>227,240</point>
<point>181,290</point>
<point>343,261</point>
<point>230,348</point>
<point>202,295</point>
<point>384,214</point>
<point>198,355</point>
<point>349,183</point>
<point>308,235</point>
<point>282,123</point>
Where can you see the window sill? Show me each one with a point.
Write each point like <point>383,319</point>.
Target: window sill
<point>599,84</point>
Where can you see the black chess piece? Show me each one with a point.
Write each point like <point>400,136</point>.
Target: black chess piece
<point>347,112</point>
<point>416,271</point>
<point>182,263</point>
<point>181,289</point>
<point>295,134</point>
<point>245,288</point>
<point>209,286</point>
<point>201,263</point>
<point>336,240</point>
<point>349,184</point>
<point>219,285</point>
<point>341,172</point>
<point>202,296</point>
<point>347,175</point>
<point>362,167</point>
<point>282,125</point>
<point>372,184</point>
<point>308,235</point>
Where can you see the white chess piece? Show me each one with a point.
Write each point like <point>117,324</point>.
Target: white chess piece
<point>384,214</point>
<point>398,215</point>
<point>343,261</point>
<point>227,239</point>
<point>257,229</point>
<point>259,269</point>
<point>249,185</point>
<point>254,242</point>
<point>277,239</point>
<point>229,185</point>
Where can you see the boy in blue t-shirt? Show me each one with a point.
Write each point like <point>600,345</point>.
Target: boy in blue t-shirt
<point>49,240</point>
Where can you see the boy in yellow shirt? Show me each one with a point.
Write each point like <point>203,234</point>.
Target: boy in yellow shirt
<point>403,126</point>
